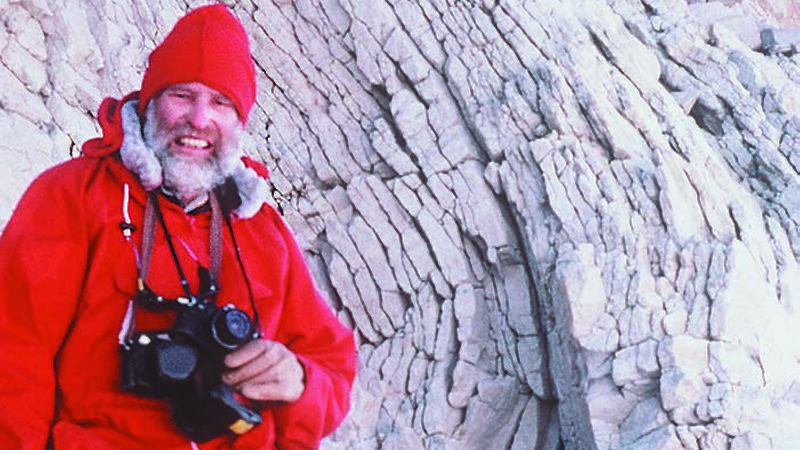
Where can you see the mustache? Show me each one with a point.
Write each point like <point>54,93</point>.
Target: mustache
<point>186,129</point>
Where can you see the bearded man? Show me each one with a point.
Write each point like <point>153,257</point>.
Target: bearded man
<point>151,297</point>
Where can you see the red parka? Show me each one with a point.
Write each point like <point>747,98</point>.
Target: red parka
<point>67,273</point>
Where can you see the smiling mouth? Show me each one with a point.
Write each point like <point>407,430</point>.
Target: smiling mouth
<point>191,146</point>
<point>193,143</point>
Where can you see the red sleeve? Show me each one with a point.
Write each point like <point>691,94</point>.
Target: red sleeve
<point>326,350</point>
<point>42,256</point>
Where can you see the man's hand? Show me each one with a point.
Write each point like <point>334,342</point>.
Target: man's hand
<point>265,370</point>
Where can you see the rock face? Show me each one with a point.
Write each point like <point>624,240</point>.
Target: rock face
<point>549,222</point>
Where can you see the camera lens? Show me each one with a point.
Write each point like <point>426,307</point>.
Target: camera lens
<point>232,327</point>
<point>176,362</point>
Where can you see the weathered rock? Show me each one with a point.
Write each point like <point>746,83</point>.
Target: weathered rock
<point>780,40</point>
<point>646,417</point>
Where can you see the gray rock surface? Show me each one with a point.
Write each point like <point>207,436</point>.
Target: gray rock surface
<point>548,222</point>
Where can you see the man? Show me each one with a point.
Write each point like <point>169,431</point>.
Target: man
<point>116,268</point>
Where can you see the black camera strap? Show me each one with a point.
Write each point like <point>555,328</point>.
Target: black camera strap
<point>153,197</point>
<point>152,213</point>
<point>256,317</point>
<point>214,243</point>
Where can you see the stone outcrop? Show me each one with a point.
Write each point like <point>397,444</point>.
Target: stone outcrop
<point>549,222</point>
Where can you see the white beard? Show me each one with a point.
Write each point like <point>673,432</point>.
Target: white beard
<point>185,176</point>
<point>140,159</point>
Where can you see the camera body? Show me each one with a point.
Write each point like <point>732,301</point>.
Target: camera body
<point>184,365</point>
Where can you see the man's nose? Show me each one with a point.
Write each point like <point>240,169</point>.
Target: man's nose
<point>199,115</point>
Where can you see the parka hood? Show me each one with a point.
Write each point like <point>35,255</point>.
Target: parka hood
<point>121,126</point>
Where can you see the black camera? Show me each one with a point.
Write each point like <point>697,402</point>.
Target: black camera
<point>184,364</point>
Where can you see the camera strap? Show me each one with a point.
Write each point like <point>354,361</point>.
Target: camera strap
<point>215,239</point>
<point>152,213</point>
<point>148,237</point>
<point>214,242</point>
<point>256,317</point>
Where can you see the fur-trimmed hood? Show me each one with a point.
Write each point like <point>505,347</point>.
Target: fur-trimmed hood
<point>122,132</point>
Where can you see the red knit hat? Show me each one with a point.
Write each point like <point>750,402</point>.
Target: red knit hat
<point>208,45</point>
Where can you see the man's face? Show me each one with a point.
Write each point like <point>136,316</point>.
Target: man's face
<point>194,131</point>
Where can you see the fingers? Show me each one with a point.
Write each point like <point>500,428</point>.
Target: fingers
<point>282,389</point>
<point>265,370</point>
<point>253,359</point>
<point>248,352</point>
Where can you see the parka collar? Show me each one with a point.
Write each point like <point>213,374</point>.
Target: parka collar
<point>121,126</point>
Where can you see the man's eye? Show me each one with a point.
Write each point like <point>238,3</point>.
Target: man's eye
<point>224,102</point>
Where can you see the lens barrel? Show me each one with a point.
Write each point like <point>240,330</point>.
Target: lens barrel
<point>231,327</point>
